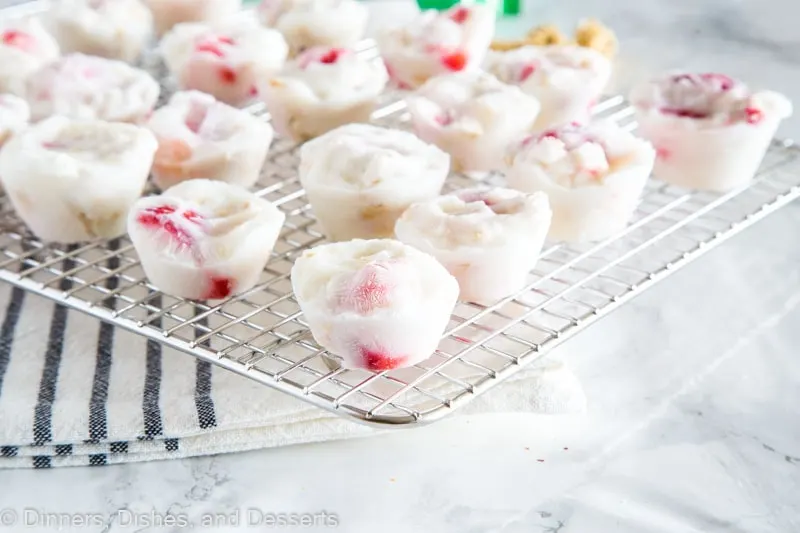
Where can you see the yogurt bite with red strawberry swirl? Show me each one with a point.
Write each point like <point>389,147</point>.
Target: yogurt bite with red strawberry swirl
<point>25,46</point>
<point>322,89</point>
<point>88,87</point>
<point>14,116</point>
<point>489,239</point>
<point>203,239</point>
<point>593,175</point>
<point>567,80</point>
<point>472,116</point>
<point>75,180</point>
<point>168,13</point>
<point>437,42</point>
<point>199,137</point>
<point>378,304</point>
<point>313,23</point>
<point>224,59</point>
<point>115,29</point>
<point>710,131</point>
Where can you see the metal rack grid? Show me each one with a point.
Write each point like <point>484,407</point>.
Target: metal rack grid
<point>261,334</point>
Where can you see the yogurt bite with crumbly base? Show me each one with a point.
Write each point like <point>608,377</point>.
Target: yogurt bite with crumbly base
<point>88,87</point>
<point>14,116</point>
<point>567,80</point>
<point>377,304</point>
<point>25,46</point>
<point>593,175</point>
<point>73,180</point>
<point>168,13</point>
<point>314,23</point>
<point>223,58</point>
<point>199,137</point>
<point>360,178</point>
<point>437,42</point>
<point>472,116</point>
<point>489,239</point>
<point>710,131</point>
<point>322,89</point>
<point>203,239</point>
<point>115,29</point>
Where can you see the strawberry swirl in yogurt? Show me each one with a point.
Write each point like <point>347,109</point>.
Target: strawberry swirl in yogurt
<point>74,180</point>
<point>566,79</point>
<point>321,89</point>
<point>377,304</point>
<point>224,59</point>
<point>115,29</point>
<point>436,43</point>
<point>204,240</point>
<point>25,46</point>
<point>489,239</point>
<point>89,87</point>
<point>314,23</point>
<point>360,178</point>
<point>472,116</point>
<point>593,175</point>
<point>200,137</point>
<point>710,131</point>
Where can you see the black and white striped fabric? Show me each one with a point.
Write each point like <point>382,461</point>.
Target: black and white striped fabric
<point>75,391</point>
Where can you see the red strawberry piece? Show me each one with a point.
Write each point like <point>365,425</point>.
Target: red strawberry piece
<point>663,153</point>
<point>226,40</point>
<point>526,72</point>
<point>366,290</point>
<point>253,91</point>
<point>685,113</point>
<point>161,218</point>
<point>332,56</point>
<point>18,39</point>
<point>455,61</point>
<point>460,15</point>
<point>192,216</point>
<point>444,119</point>
<point>227,74</point>
<point>378,360</point>
<point>219,287</point>
<point>549,134</point>
<point>754,116</point>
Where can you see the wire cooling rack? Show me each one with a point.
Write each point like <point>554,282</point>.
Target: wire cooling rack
<point>262,334</point>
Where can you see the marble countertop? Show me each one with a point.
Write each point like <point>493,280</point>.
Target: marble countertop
<point>692,387</point>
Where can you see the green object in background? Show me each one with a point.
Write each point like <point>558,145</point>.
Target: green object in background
<point>504,7</point>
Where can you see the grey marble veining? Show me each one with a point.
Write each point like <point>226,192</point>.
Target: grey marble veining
<point>692,387</point>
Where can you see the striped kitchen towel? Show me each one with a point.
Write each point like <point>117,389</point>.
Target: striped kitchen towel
<point>75,391</point>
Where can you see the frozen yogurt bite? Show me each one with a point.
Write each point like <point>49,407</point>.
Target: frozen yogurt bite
<point>472,116</point>
<point>25,46</point>
<point>199,137</point>
<point>567,80</point>
<point>14,116</point>
<point>115,29</point>
<point>378,304</point>
<point>321,89</point>
<point>203,239</point>
<point>489,239</point>
<point>224,58</point>
<point>168,13</point>
<point>710,131</point>
<point>314,23</point>
<point>75,180</point>
<point>360,178</point>
<point>88,87</point>
<point>593,175</point>
<point>437,42</point>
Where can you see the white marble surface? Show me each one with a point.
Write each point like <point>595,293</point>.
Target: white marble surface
<point>692,387</point>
